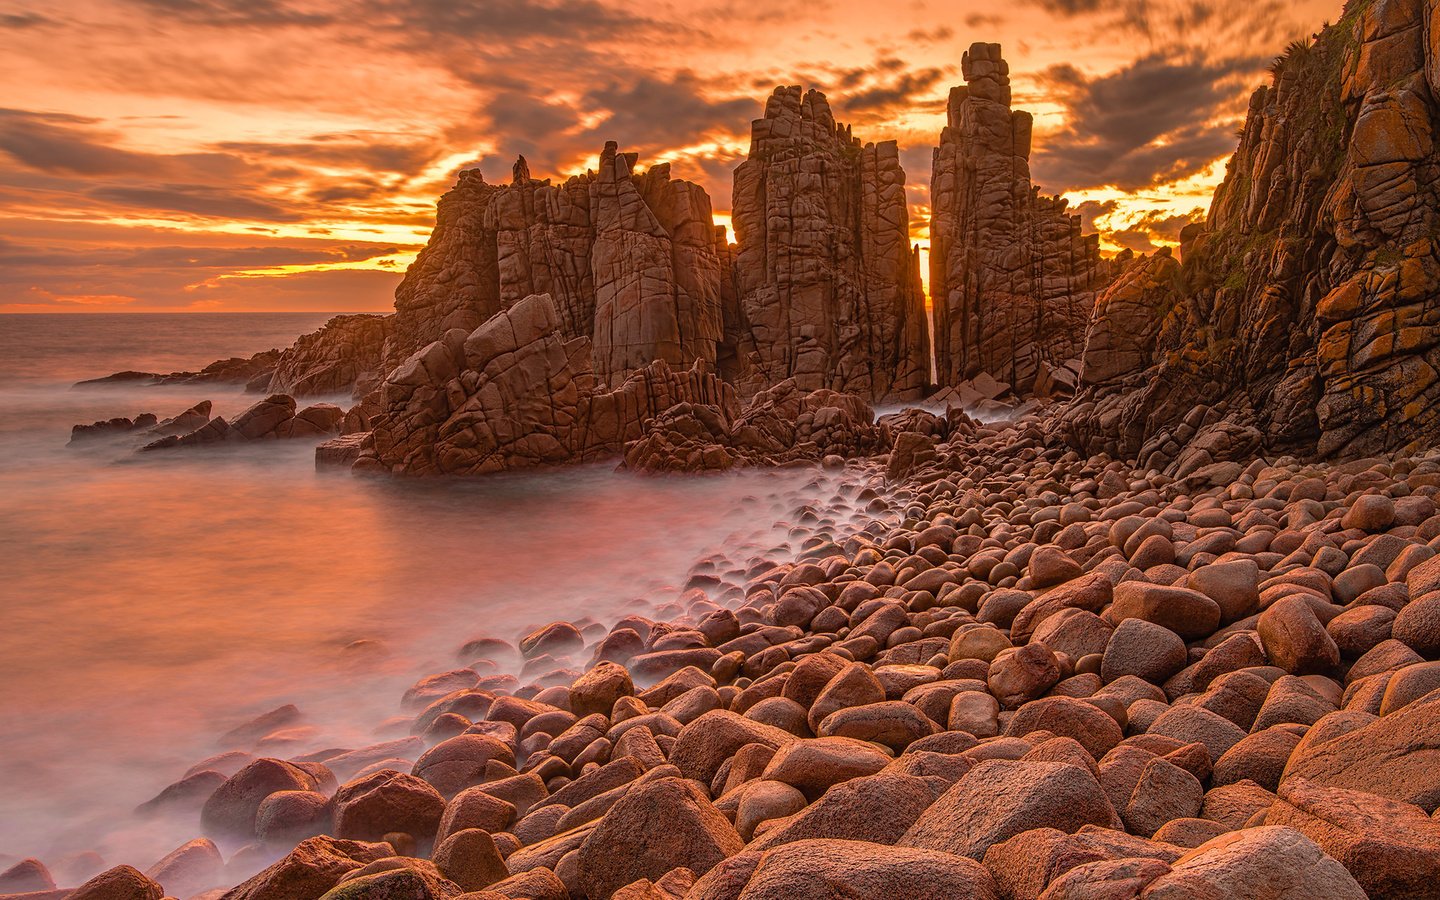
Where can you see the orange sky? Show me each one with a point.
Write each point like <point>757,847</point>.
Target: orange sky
<point>276,155</point>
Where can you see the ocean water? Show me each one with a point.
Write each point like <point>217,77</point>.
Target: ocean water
<point>150,602</point>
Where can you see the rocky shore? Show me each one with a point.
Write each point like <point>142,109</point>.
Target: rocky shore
<point>1144,603</point>
<point>1031,674</point>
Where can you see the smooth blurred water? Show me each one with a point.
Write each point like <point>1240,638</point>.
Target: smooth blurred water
<point>150,602</point>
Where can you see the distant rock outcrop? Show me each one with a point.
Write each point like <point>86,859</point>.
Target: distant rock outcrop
<point>1309,317</point>
<point>235,370</point>
<point>828,286</point>
<point>1012,279</point>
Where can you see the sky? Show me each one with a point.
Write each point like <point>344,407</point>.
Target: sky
<point>247,155</point>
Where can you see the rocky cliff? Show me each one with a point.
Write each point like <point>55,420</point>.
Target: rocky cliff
<point>1308,316</point>
<point>629,259</point>
<point>1012,279</point>
<point>827,287</point>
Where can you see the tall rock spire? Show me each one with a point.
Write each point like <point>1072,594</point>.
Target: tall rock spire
<point>1012,280</point>
<point>828,288</point>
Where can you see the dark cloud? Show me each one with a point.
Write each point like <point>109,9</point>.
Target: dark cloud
<point>356,150</point>
<point>936,35</point>
<point>649,112</point>
<point>1229,26</point>
<point>906,89</point>
<point>179,257</point>
<point>716,175</point>
<point>21,20</point>
<point>1091,210</point>
<point>350,190</point>
<point>196,199</point>
<point>1166,225</point>
<point>1068,7</point>
<point>1162,118</point>
<point>916,159</point>
<point>62,143</point>
<point>541,130</point>
<point>1133,239</point>
<point>983,20</point>
<point>42,273</point>
<point>231,13</point>
<point>509,20</point>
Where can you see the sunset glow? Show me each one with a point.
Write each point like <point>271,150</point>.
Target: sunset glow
<point>265,155</point>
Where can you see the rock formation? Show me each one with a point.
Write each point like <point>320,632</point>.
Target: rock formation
<point>1125,322</point>
<point>1309,317</point>
<point>630,261</point>
<point>275,417</point>
<point>255,369</point>
<point>778,425</point>
<point>1012,279</point>
<point>828,287</point>
<point>342,357</point>
<point>516,392</point>
<point>1008,682</point>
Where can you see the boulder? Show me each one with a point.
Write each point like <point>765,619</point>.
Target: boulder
<point>825,869</point>
<point>657,826</point>
<point>231,811</point>
<point>1266,863</point>
<point>372,806</point>
<point>1392,848</point>
<point>999,799</point>
<point>1395,756</point>
<point>310,870</point>
<point>119,883</point>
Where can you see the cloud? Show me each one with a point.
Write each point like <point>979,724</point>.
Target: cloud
<point>40,274</point>
<point>198,199</point>
<point>183,257</point>
<point>536,128</point>
<point>1164,117</point>
<point>1068,7</point>
<point>937,35</point>
<point>230,13</point>
<point>370,151</point>
<point>1091,210</point>
<point>1166,225</point>
<point>53,142</point>
<point>905,89</point>
<point>1132,239</point>
<point>507,20</point>
<point>652,113</point>
<point>21,20</point>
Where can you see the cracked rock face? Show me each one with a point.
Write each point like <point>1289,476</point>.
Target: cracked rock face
<point>827,286</point>
<point>1012,279</point>
<point>631,262</point>
<point>515,393</point>
<point>1309,310</point>
<point>1120,339</point>
<point>343,356</point>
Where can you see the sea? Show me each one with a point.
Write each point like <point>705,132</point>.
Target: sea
<point>149,602</point>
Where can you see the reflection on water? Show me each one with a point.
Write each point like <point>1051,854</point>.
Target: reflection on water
<point>152,602</point>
